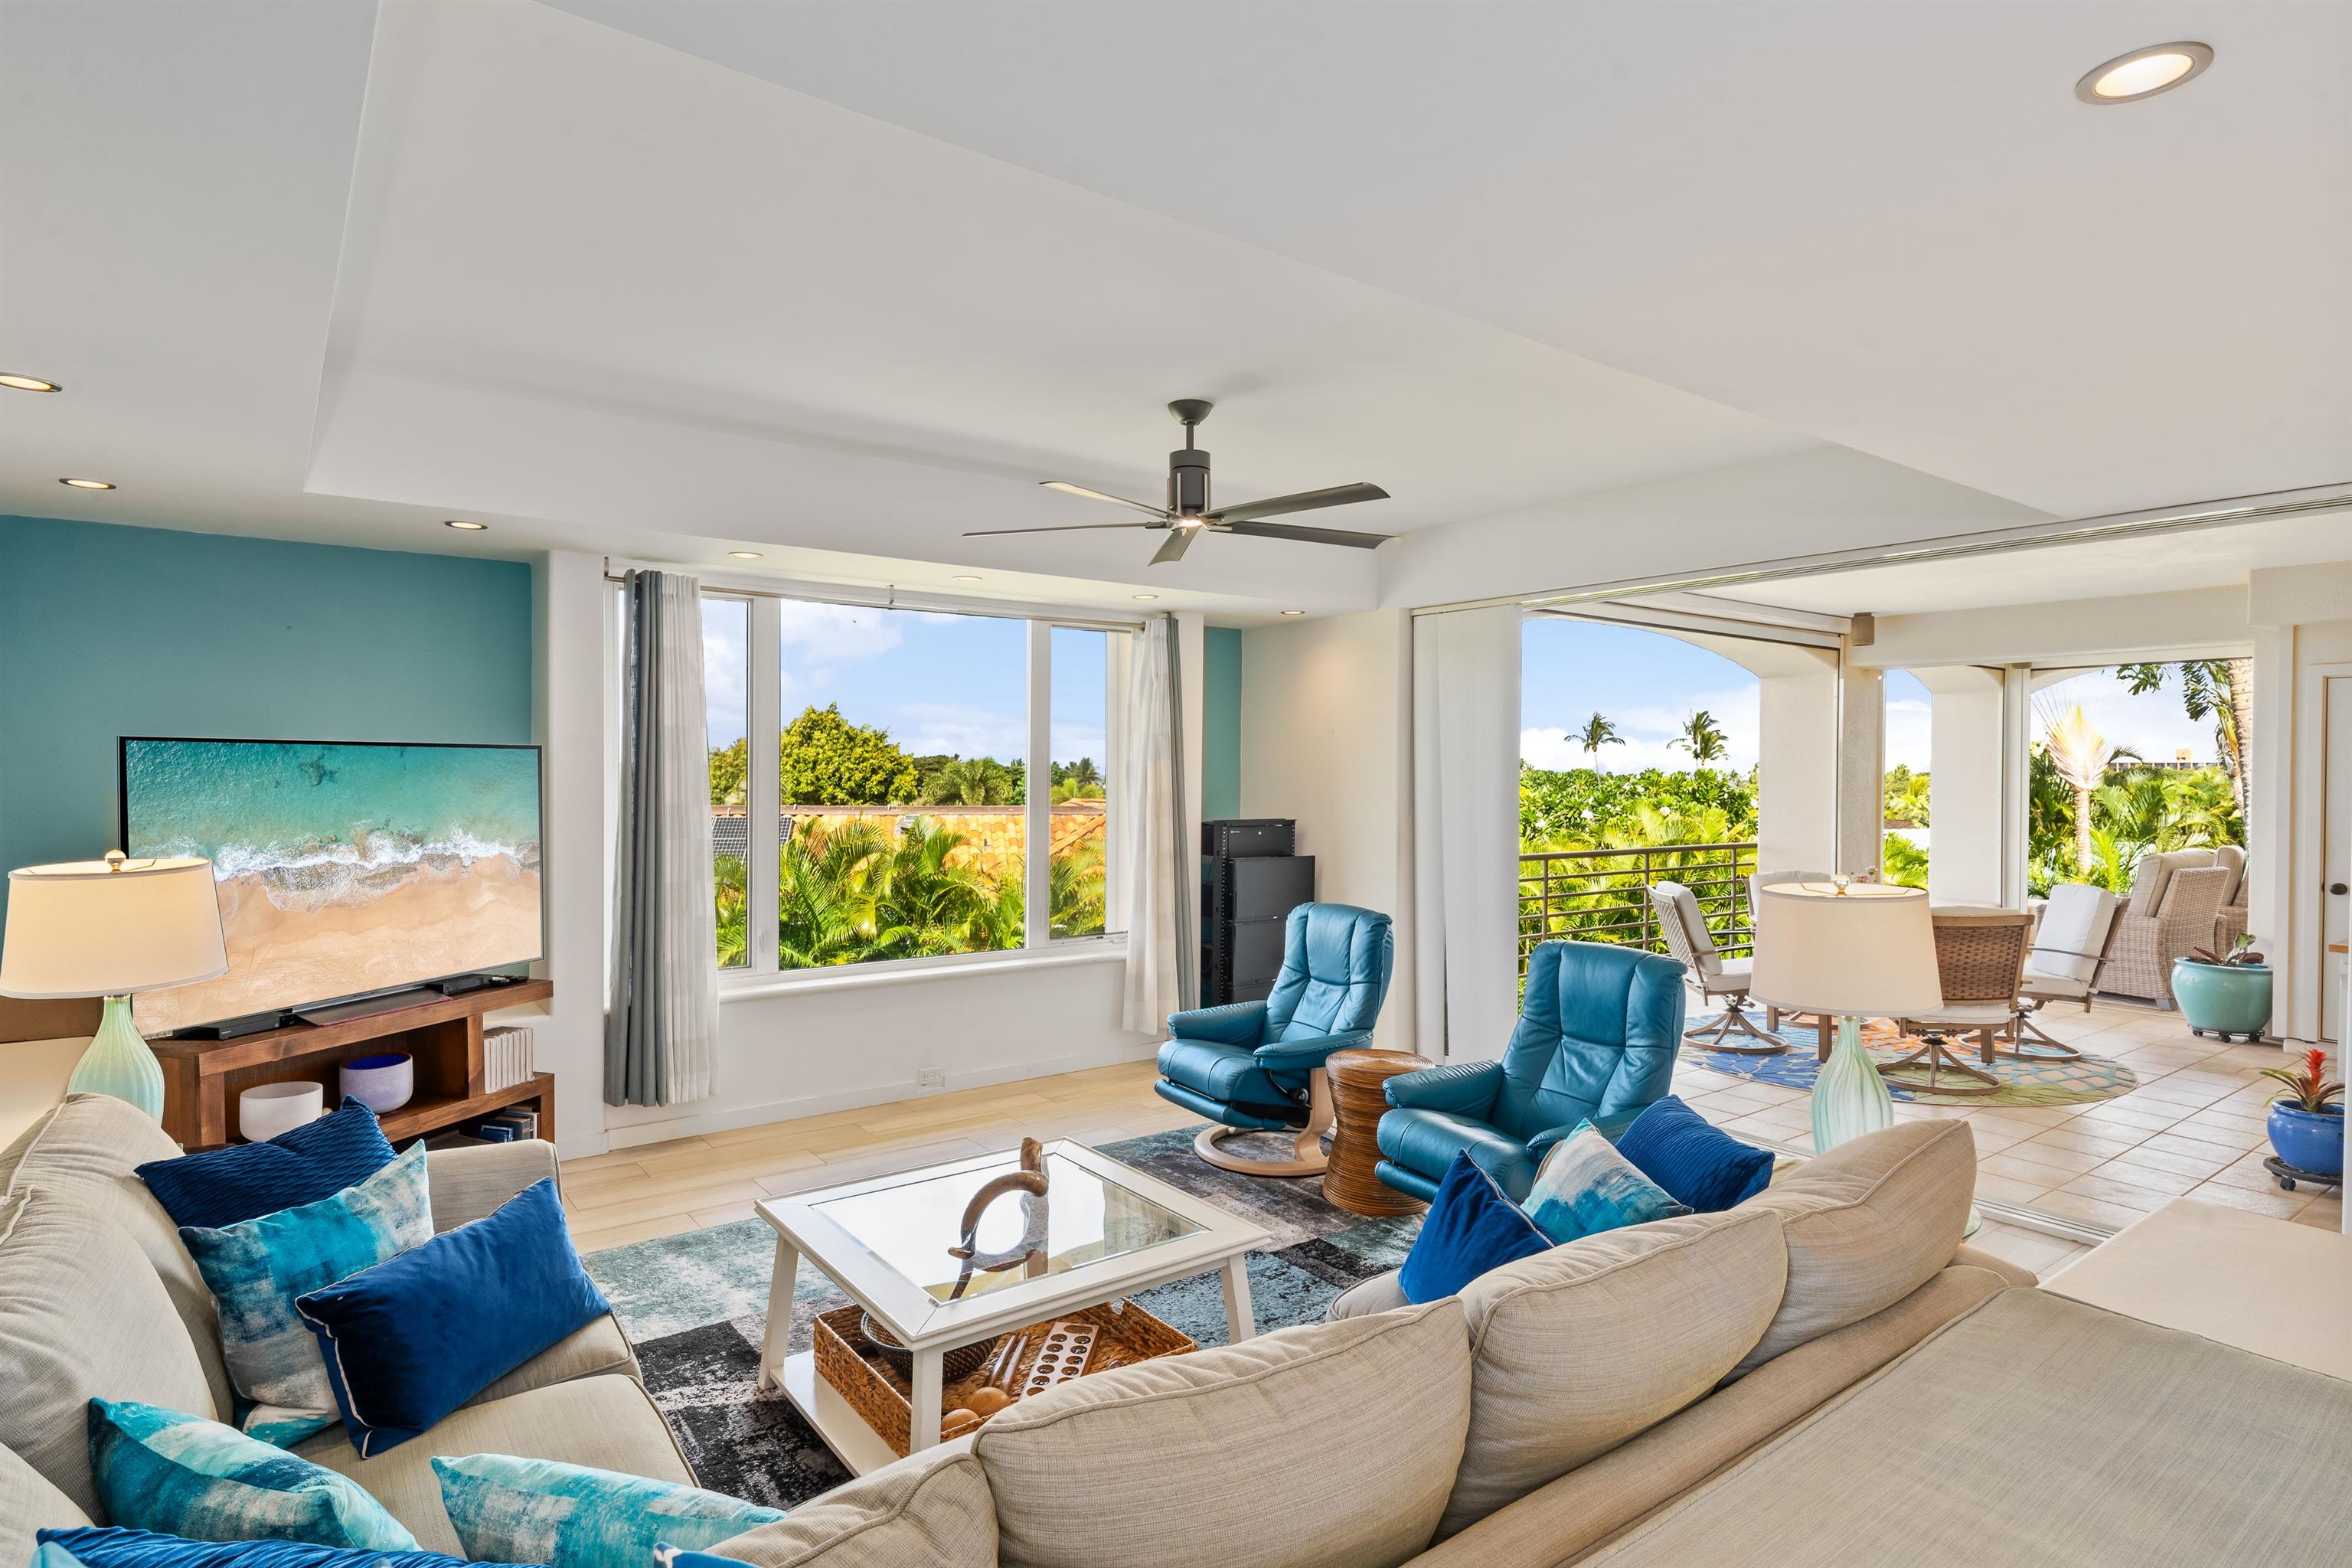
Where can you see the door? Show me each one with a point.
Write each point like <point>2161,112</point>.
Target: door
<point>2336,857</point>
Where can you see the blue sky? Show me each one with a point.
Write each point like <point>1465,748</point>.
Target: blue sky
<point>1643,683</point>
<point>936,682</point>
<point>1647,684</point>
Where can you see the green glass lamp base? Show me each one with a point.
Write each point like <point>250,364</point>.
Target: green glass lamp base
<point>118,1062</point>
<point>1848,1097</point>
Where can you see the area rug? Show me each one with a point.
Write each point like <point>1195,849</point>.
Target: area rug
<point>2026,1083</point>
<point>695,1307</point>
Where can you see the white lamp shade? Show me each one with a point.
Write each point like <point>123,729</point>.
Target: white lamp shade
<point>85,928</point>
<point>1869,950</point>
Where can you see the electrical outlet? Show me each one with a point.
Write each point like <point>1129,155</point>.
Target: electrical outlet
<point>931,1078</point>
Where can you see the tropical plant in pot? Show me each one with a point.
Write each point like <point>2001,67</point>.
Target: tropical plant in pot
<point>2307,1124</point>
<point>2224,992</point>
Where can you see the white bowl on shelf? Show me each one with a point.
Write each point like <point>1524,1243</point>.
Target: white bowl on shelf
<point>267,1110</point>
<point>382,1083</point>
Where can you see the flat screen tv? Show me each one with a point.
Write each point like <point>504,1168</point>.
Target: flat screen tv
<point>344,869</point>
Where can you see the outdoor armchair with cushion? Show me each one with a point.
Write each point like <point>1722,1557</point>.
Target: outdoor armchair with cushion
<point>1684,925</point>
<point>2231,923</point>
<point>1257,1067</point>
<point>2175,899</point>
<point>1596,1040</point>
<point>2069,945</point>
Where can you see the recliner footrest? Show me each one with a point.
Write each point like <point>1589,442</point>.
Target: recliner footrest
<point>1253,1118</point>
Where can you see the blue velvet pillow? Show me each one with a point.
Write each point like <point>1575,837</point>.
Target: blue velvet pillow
<point>97,1546</point>
<point>159,1469</point>
<point>1698,1164</point>
<point>244,1181</point>
<point>1584,1187</point>
<point>569,1516</point>
<point>410,1340</point>
<point>1472,1226</point>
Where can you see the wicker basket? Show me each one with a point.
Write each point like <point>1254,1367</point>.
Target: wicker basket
<point>879,1392</point>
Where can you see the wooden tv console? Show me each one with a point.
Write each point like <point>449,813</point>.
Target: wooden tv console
<point>202,1079</point>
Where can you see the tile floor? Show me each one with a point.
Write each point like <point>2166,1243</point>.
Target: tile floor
<point>2193,1126</point>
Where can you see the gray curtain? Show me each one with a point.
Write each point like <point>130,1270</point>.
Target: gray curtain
<point>661,1030</point>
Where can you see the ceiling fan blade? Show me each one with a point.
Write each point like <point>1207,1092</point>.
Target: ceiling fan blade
<point>1174,547</point>
<point>1068,489</point>
<point>1063,527</point>
<point>1304,500</point>
<point>1306,535</point>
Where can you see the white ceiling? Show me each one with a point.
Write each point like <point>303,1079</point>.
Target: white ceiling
<point>841,280</point>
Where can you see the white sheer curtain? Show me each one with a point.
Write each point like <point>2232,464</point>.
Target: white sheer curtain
<point>661,1029</point>
<point>1466,820</point>
<point>1156,898</point>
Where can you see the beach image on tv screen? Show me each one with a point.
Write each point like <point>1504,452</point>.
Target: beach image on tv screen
<point>341,868</point>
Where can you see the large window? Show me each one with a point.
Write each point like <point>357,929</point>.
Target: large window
<point>899,747</point>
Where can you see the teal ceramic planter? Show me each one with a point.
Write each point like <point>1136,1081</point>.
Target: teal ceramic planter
<point>2223,999</point>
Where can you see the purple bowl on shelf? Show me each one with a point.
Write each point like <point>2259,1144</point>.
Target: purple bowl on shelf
<point>383,1082</point>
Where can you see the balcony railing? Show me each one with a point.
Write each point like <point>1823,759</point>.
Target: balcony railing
<point>1602,895</point>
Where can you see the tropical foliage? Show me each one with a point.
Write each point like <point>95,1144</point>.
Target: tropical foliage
<point>1693,827</point>
<point>853,894</point>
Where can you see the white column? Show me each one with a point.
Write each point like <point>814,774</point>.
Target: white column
<point>574,610</point>
<point>1797,757</point>
<point>1965,806</point>
<point>1862,768</point>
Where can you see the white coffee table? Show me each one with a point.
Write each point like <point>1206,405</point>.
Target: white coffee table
<point>1111,1231</point>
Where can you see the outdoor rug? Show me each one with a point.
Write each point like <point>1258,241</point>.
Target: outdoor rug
<point>2028,1083</point>
<point>695,1307</point>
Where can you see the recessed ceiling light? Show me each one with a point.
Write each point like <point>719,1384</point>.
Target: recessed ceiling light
<point>2144,73</point>
<point>1146,597</point>
<point>462,526</point>
<point>87,484</point>
<point>966,577</point>
<point>27,382</point>
<point>744,554</point>
<point>1293,611</point>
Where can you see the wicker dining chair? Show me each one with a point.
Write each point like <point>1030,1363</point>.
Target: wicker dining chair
<point>1980,964</point>
<point>1684,925</point>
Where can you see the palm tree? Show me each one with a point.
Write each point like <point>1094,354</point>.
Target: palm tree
<point>1703,738</point>
<point>1598,732</point>
<point>730,909</point>
<point>1074,882</point>
<point>822,910</point>
<point>2222,689</point>
<point>2081,755</point>
<point>923,903</point>
<point>970,781</point>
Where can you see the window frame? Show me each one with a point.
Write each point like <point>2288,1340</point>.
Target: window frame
<point>761,975</point>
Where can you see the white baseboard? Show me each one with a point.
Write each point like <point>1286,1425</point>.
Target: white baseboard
<point>632,1134</point>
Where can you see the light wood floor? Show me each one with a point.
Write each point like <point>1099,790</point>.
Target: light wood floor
<point>660,1189</point>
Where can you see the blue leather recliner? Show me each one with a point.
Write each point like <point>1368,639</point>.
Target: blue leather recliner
<point>1595,1041</point>
<point>1257,1067</point>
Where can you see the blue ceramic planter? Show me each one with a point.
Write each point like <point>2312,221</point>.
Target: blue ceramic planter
<point>2310,1141</point>
<point>2225,999</point>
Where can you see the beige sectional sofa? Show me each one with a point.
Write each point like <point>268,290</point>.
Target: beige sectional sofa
<point>97,1297</point>
<point>1823,1374</point>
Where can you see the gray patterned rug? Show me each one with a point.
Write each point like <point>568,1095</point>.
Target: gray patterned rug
<point>695,1307</point>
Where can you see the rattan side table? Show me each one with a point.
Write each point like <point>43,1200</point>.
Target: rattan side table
<point>1359,1100</point>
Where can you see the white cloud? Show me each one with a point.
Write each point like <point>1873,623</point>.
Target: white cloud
<point>726,668</point>
<point>838,631</point>
<point>1909,733</point>
<point>2153,725</point>
<point>1648,732</point>
<point>922,729</point>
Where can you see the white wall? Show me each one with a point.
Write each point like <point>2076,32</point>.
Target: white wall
<point>1969,765</point>
<point>1327,738</point>
<point>2304,637</point>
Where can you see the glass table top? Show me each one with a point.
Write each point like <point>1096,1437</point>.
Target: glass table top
<point>1083,1218</point>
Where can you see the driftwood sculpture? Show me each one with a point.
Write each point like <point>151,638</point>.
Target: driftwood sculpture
<point>1030,1181</point>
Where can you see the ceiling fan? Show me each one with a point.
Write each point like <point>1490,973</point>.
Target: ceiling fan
<point>1188,512</point>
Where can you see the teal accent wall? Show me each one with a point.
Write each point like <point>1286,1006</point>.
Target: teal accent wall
<point>1220,722</point>
<point>108,631</point>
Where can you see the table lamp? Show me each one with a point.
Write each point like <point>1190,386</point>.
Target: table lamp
<point>1856,950</point>
<point>113,928</point>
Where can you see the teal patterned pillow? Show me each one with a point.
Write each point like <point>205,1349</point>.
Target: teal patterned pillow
<point>1584,1187</point>
<point>536,1510</point>
<point>182,1475</point>
<point>257,1268</point>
